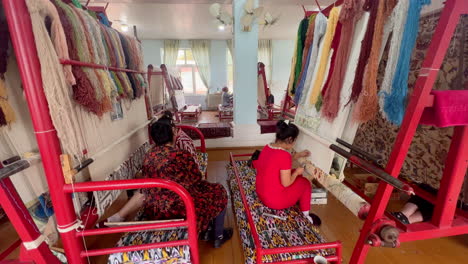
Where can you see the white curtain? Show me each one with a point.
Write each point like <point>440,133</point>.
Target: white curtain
<point>230,47</point>
<point>201,54</point>
<point>265,56</point>
<point>171,50</point>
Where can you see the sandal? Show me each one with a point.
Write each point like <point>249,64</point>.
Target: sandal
<point>401,217</point>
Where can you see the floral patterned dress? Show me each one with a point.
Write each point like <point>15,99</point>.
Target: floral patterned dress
<point>170,163</point>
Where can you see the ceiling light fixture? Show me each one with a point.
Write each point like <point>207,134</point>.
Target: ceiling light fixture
<point>124,27</point>
<point>221,27</point>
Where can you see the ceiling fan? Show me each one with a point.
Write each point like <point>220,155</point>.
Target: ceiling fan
<point>268,20</point>
<point>223,18</point>
<point>250,15</point>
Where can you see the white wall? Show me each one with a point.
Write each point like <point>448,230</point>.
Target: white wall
<point>218,65</point>
<point>152,51</point>
<point>282,55</point>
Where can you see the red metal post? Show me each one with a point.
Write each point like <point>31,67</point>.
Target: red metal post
<point>426,79</point>
<point>22,37</point>
<point>23,223</point>
<point>141,184</point>
<point>452,180</point>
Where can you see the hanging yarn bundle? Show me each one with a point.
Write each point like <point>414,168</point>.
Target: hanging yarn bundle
<point>395,26</point>
<point>308,48</point>
<point>83,92</point>
<point>319,31</point>
<point>7,115</point>
<point>394,103</point>
<point>350,13</point>
<point>298,49</point>
<point>324,57</point>
<point>56,89</point>
<point>4,40</point>
<point>367,105</point>
<point>371,6</point>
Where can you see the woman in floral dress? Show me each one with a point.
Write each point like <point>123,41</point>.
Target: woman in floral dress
<point>165,161</point>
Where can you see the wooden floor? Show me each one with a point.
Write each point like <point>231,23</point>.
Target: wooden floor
<point>338,224</point>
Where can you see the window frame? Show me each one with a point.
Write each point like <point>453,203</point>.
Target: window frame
<point>194,71</point>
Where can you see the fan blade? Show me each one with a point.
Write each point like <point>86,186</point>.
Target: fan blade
<point>226,18</point>
<point>215,9</point>
<point>268,17</point>
<point>247,20</point>
<point>249,6</point>
<point>258,11</point>
<point>275,20</point>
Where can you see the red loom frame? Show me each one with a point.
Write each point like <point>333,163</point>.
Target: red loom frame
<point>260,251</point>
<point>19,23</point>
<point>150,73</point>
<point>271,110</point>
<point>180,115</point>
<point>446,220</point>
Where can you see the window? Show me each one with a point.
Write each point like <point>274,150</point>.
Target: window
<point>230,70</point>
<point>190,77</point>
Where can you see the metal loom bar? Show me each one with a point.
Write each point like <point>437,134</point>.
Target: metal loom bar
<point>97,66</point>
<point>131,228</point>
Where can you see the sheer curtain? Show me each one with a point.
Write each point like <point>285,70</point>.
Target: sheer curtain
<point>201,54</point>
<point>265,56</point>
<point>230,47</point>
<point>171,50</point>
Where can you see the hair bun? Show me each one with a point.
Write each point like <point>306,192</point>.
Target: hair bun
<point>281,124</point>
<point>167,114</point>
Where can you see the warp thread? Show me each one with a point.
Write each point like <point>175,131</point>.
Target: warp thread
<point>394,105</point>
<point>350,13</point>
<point>367,105</point>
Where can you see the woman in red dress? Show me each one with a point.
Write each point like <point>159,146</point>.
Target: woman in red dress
<point>278,185</point>
<point>165,161</point>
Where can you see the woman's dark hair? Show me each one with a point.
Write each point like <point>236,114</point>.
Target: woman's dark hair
<point>286,132</point>
<point>162,130</point>
<point>167,118</point>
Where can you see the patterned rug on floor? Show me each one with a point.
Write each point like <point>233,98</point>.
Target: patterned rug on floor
<point>293,230</point>
<point>211,130</point>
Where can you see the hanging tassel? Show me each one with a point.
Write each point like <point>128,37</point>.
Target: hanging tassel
<point>8,113</point>
<point>396,26</point>
<point>394,105</point>
<point>371,6</point>
<point>349,16</point>
<point>367,105</point>
<point>324,57</point>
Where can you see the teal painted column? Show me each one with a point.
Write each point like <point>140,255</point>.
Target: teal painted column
<point>245,68</point>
